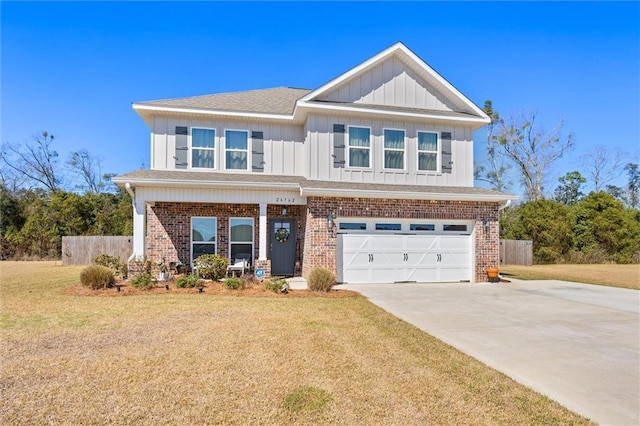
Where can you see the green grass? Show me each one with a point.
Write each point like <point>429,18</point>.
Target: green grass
<point>625,276</point>
<point>203,359</point>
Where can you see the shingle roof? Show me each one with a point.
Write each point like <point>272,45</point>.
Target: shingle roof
<point>248,180</point>
<point>277,100</point>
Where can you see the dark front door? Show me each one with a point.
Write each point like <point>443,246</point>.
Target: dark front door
<point>283,246</point>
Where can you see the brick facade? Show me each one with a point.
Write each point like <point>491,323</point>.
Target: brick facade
<point>169,227</point>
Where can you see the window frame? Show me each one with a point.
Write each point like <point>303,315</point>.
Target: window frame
<point>253,231</point>
<point>246,151</point>
<point>191,241</point>
<point>403,150</point>
<point>368,148</point>
<point>192,148</point>
<point>436,152</point>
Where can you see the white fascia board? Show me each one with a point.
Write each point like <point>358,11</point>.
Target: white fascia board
<point>445,83</point>
<point>479,120</point>
<point>353,71</point>
<point>172,183</point>
<point>181,110</point>
<point>328,192</point>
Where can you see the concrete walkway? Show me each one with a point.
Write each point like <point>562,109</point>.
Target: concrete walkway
<point>578,344</point>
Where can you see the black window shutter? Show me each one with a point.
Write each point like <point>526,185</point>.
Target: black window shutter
<point>447,164</point>
<point>182,147</point>
<point>338,146</point>
<point>257,152</point>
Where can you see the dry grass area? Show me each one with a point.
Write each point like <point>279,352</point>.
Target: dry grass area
<point>184,358</point>
<point>625,276</point>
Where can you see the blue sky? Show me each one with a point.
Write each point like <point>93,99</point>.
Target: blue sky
<point>74,69</point>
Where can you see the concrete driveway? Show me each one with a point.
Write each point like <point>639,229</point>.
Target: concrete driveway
<point>578,344</point>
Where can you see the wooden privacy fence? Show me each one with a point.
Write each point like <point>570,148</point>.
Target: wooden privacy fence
<point>82,250</point>
<point>516,252</point>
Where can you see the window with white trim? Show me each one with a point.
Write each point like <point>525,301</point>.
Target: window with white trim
<point>359,147</point>
<point>236,149</point>
<point>428,151</point>
<point>203,148</point>
<point>241,238</point>
<point>394,149</point>
<point>203,236</point>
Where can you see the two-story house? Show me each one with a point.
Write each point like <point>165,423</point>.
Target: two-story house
<point>369,175</point>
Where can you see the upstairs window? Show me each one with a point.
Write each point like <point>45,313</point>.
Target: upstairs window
<point>237,149</point>
<point>428,151</point>
<point>203,144</point>
<point>394,149</point>
<point>359,147</point>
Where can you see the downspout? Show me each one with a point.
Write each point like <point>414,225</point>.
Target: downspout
<point>132,193</point>
<point>502,205</point>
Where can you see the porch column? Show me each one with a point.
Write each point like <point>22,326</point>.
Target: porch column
<point>262,232</point>
<point>138,229</point>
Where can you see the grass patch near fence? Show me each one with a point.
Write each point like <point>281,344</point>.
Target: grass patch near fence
<point>625,276</point>
<point>214,359</point>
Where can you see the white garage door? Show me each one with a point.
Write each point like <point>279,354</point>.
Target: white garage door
<point>367,258</point>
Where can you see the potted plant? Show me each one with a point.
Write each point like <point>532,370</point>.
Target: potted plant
<point>493,274</point>
<point>164,271</point>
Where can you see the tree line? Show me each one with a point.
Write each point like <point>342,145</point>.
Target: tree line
<point>565,224</point>
<point>43,199</point>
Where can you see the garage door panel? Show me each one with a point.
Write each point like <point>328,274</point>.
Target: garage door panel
<point>390,258</point>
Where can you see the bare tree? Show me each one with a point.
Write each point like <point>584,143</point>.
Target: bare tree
<point>89,170</point>
<point>35,161</point>
<point>603,165</point>
<point>495,172</point>
<point>531,149</point>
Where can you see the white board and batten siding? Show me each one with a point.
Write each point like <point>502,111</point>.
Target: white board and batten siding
<point>320,148</point>
<point>283,144</point>
<point>392,83</point>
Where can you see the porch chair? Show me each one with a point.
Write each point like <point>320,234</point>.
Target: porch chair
<point>239,265</point>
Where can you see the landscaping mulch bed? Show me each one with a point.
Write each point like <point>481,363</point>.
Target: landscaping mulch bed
<point>211,288</point>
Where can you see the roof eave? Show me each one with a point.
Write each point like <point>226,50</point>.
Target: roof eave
<point>438,196</point>
<point>479,121</point>
<point>142,108</point>
<point>188,183</point>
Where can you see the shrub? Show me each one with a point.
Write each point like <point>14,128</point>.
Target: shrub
<point>276,284</point>
<point>142,281</point>
<point>233,283</point>
<point>97,277</point>
<point>320,279</point>
<point>211,266</point>
<point>112,262</point>
<point>188,281</point>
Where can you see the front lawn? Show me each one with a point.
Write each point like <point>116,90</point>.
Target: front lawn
<point>625,276</point>
<point>176,358</point>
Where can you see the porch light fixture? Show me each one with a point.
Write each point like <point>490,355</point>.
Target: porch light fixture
<point>284,211</point>
<point>330,222</point>
<point>485,224</point>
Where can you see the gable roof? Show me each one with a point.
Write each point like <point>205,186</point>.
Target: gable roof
<point>293,104</point>
<point>404,54</point>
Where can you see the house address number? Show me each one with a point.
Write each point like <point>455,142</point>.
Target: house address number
<point>283,200</point>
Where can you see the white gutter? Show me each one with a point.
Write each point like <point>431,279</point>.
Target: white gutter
<point>142,107</point>
<point>217,184</point>
<point>366,110</point>
<point>328,192</point>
